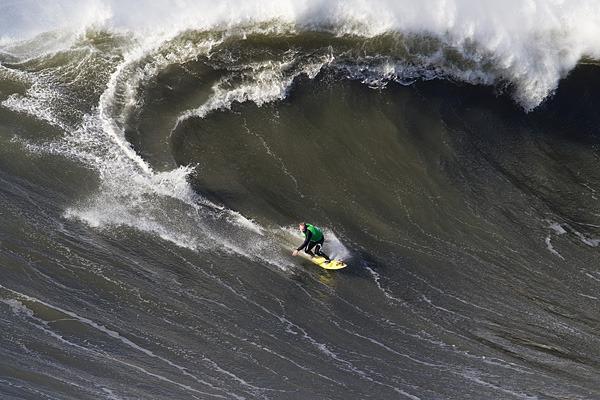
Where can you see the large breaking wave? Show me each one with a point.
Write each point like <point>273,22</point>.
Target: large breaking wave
<point>96,58</point>
<point>472,217</point>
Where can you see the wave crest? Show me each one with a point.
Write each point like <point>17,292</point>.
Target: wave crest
<point>530,45</point>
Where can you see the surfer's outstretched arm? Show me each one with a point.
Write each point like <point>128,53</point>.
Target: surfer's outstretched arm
<point>306,241</point>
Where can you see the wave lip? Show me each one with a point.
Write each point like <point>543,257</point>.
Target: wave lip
<point>532,44</point>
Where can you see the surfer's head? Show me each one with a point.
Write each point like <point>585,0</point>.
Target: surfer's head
<point>302,226</point>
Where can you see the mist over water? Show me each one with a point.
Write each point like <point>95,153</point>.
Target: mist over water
<point>531,44</point>
<point>156,158</point>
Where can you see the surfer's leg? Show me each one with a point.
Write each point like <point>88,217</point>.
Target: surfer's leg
<point>308,248</point>
<point>319,252</point>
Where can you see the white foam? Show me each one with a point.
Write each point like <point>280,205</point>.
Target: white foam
<point>531,43</point>
<point>36,102</point>
<point>377,279</point>
<point>335,247</point>
<point>24,19</point>
<point>263,83</point>
<point>551,248</point>
<point>557,228</point>
<point>131,193</point>
<point>587,240</point>
<point>560,230</point>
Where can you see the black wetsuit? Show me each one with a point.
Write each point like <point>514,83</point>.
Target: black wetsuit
<point>308,245</point>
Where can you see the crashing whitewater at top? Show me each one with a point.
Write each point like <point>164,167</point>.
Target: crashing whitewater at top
<point>527,45</point>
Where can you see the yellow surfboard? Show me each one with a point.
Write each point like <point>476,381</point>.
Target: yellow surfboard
<point>334,264</point>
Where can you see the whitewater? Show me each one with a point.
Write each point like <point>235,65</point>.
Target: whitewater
<point>532,44</point>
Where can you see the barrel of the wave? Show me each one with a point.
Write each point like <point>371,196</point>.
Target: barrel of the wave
<point>314,239</point>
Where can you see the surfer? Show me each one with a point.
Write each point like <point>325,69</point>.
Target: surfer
<point>313,238</point>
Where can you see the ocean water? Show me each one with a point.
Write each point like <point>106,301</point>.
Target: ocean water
<point>156,157</point>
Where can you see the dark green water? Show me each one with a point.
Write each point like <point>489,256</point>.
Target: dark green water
<point>145,249</point>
